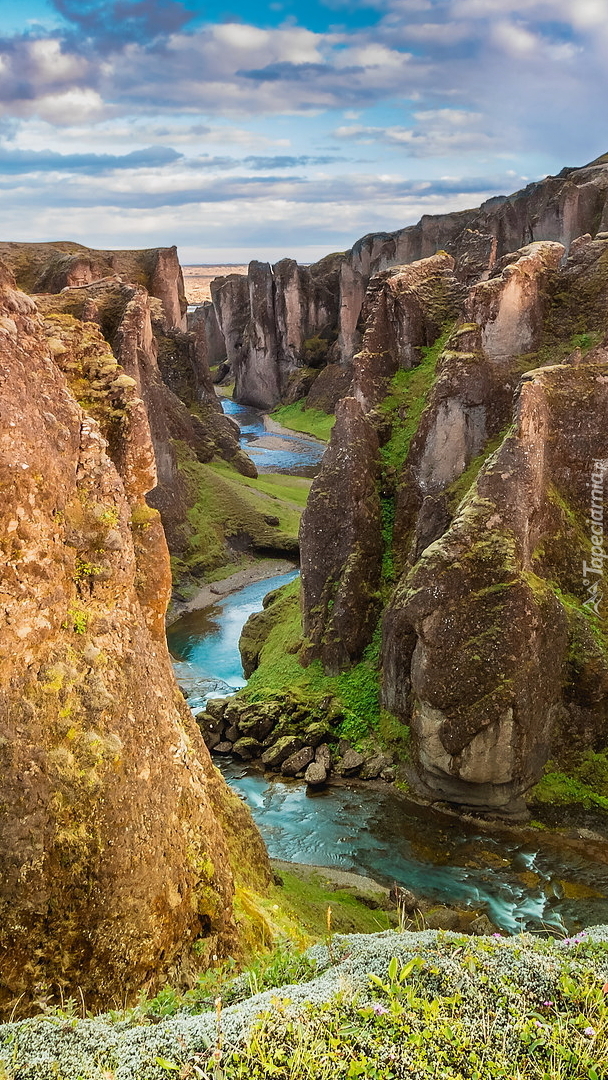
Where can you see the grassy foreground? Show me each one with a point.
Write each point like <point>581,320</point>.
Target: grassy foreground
<point>386,1006</point>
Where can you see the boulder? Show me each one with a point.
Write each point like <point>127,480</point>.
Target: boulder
<point>223,748</point>
<point>297,762</point>
<point>247,748</point>
<point>482,926</point>
<point>282,749</point>
<point>323,756</point>
<point>374,766</point>
<point>316,774</point>
<point>317,732</point>
<point>350,763</point>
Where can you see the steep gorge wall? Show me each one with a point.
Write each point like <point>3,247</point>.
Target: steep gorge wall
<point>492,445</point>
<point>271,318</point>
<point>113,858</point>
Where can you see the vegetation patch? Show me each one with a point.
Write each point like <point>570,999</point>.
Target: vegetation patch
<point>407,399</point>
<point>584,784</point>
<point>228,515</point>
<point>309,421</point>
<point>354,695</point>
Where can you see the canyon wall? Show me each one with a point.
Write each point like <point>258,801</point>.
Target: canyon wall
<point>115,869</point>
<point>285,323</point>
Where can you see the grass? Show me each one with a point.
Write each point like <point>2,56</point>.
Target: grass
<point>309,421</point>
<point>225,506</point>
<point>279,486</point>
<point>406,401</point>
<point>355,693</point>
<point>584,784</point>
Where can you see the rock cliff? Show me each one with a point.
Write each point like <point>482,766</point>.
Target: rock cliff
<point>283,324</point>
<point>477,527</point>
<point>115,868</point>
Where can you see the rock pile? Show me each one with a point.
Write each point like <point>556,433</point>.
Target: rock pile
<point>284,736</point>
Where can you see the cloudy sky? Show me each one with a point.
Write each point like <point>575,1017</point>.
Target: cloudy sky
<point>285,127</point>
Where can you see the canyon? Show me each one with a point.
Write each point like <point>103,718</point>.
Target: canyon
<point>450,613</point>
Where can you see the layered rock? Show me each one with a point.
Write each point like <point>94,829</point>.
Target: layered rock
<point>113,860</point>
<point>471,399</point>
<point>268,319</point>
<point>489,649</point>
<point>341,543</point>
<point>405,309</point>
<point>489,638</point>
<point>172,378</point>
<point>49,268</point>
<point>275,322</point>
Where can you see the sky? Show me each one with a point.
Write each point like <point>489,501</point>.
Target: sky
<point>241,130</point>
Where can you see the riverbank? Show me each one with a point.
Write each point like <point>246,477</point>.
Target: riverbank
<point>211,594</point>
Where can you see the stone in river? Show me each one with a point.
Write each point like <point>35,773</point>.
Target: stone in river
<point>350,763</point>
<point>298,761</point>
<point>223,748</point>
<point>247,748</point>
<point>373,767</point>
<point>277,754</point>
<point>315,774</point>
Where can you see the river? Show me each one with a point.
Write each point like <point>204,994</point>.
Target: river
<point>522,883</point>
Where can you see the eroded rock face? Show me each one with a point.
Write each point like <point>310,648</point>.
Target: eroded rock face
<point>489,649</point>
<point>341,543</point>
<point>113,860</point>
<point>49,268</point>
<point>511,307</point>
<point>405,308</point>
<point>271,321</point>
<point>472,396</point>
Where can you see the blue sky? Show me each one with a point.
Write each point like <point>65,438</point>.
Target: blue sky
<point>240,130</point>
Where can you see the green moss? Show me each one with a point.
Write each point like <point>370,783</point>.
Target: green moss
<point>278,486</point>
<point>406,401</point>
<point>456,492</point>
<point>355,694</point>
<point>309,421</point>
<point>585,785</point>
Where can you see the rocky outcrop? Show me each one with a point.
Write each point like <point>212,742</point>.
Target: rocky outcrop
<point>290,317</point>
<point>275,322</point>
<point>113,858</point>
<point>472,397</point>
<point>172,378</point>
<point>341,543</point>
<point>49,268</point>
<point>488,602</point>
<point>489,638</point>
<point>405,309</point>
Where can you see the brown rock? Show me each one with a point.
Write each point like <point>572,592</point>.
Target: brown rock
<point>373,767</point>
<point>341,543</point>
<point>350,763</point>
<point>282,749</point>
<point>323,756</point>
<point>113,857</point>
<point>223,748</point>
<point>247,748</point>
